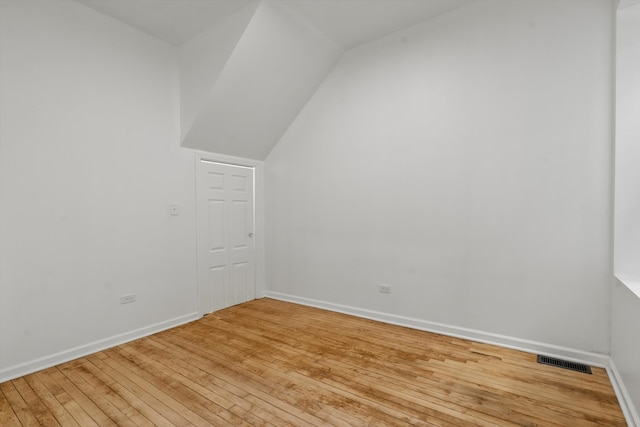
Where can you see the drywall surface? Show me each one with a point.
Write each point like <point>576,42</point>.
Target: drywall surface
<point>203,58</point>
<point>625,341</point>
<point>89,161</point>
<point>277,64</point>
<point>625,335</point>
<point>466,163</point>
<point>627,216</point>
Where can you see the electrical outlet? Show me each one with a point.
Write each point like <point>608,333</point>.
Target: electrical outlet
<point>384,289</point>
<point>127,299</point>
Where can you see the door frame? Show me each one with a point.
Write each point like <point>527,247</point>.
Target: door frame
<point>258,217</point>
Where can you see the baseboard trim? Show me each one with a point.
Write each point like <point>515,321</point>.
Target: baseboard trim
<point>84,350</point>
<point>626,404</point>
<point>566,353</point>
<point>629,410</point>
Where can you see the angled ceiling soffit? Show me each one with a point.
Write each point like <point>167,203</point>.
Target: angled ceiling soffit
<point>245,80</point>
<point>203,58</point>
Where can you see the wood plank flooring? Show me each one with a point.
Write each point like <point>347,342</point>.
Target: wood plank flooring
<point>271,363</point>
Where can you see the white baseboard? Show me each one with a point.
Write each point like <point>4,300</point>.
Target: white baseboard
<point>83,350</point>
<point>604,361</point>
<point>629,410</point>
<point>566,353</point>
<point>594,359</point>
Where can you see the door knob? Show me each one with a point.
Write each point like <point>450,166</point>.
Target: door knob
<point>250,235</point>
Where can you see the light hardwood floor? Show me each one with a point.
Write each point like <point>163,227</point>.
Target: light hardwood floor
<point>268,362</point>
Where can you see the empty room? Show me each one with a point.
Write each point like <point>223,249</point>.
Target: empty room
<point>320,212</point>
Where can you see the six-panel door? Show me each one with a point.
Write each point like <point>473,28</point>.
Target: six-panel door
<point>225,235</point>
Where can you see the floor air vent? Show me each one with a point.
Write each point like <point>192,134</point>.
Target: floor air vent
<point>565,364</point>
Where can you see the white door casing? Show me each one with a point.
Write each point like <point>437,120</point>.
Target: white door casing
<point>226,252</point>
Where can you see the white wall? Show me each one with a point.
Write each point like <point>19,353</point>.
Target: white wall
<point>625,342</point>
<point>89,160</point>
<point>627,219</point>
<point>466,162</point>
<point>625,335</point>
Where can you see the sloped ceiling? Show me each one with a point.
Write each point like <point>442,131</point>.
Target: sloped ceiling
<point>346,22</point>
<point>353,22</point>
<point>202,60</point>
<point>276,65</point>
<point>174,21</point>
<point>247,67</point>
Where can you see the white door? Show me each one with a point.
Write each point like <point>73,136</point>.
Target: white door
<point>226,272</point>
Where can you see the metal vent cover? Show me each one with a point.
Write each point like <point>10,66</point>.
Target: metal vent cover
<point>564,364</point>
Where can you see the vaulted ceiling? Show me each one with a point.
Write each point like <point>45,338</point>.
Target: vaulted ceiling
<point>247,67</point>
<point>346,22</point>
<point>174,21</point>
